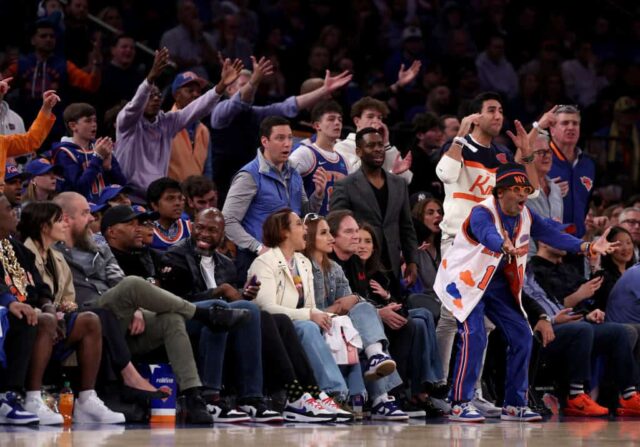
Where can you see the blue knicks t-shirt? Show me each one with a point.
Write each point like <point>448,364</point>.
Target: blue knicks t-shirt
<point>336,170</point>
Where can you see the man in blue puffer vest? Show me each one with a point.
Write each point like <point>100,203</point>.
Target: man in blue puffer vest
<point>263,186</point>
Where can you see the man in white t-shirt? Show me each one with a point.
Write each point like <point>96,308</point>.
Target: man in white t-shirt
<point>316,159</point>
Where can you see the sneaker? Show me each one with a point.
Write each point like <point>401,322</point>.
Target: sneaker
<point>520,414</point>
<point>221,412</point>
<point>258,411</point>
<point>379,366</point>
<point>430,409</point>
<point>443,405</point>
<point>46,415</point>
<point>93,410</point>
<point>465,412</point>
<point>486,408</point>
<point>11,411</point>
<point>222,319</point>
<point>307,409</point>
<point>630,406</point>
<point>388,410</point>
<point>193,410</point>
<point>583,405</point>
<point>329,404</point>
<point>413,409</point>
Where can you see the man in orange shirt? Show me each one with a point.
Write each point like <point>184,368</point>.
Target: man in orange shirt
<point>25,143</point>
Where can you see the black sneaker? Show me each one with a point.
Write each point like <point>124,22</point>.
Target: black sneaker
<point>221,412</point>
<point>259,412</point>
<point>222,319</point>
<point>195,410</point>
<point>412,409</point>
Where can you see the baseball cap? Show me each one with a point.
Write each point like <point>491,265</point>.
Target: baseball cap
<point>41,166</point>
<point>185,78</point>
<point>144,214</point>
<point>96,208</point>
<point>117,215</point>
<point>11,172</point>
<point>109,192</point>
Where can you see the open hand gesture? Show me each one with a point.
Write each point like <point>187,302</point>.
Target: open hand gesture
<point>261,68</point>
<point>602,246</point>
<point>160,62</point>
<point>4,86</point>
<point>230,72</point>
<point>466,124</point>
<point>406,76</point>
<point>520,139</point>
<point>333,83</point>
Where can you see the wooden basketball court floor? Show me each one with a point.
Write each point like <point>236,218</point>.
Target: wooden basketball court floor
<point>550,433</point>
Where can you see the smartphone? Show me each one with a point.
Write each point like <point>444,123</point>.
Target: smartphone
<point>597,274</point>
<point>253,281</point>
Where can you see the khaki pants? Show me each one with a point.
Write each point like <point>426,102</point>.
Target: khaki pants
<point>164,319</point>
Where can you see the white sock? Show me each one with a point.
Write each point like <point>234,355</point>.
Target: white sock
<point>34,395</point>
<point>373,349</point>
<point>381,398</point>
<point>84,395</point>
<point>576,389</point>
<point>628,392</point>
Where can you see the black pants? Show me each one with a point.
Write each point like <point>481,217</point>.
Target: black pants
<point>18,346</point>
<point>283,358</point>
<point>577,343</point>
<point>400,341</point>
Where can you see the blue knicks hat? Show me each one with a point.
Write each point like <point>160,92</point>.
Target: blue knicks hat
<point>511,174</point>
<point>109,192</point>
<point>185,78</point>
<point>41,166</point>
<point>11,172</point>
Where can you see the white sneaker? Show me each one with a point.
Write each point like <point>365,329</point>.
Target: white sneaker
<point>486,408</point>
<point>47,416</point>
<point>93,410</point>
<point>307,409</point>
<point>329,404</point>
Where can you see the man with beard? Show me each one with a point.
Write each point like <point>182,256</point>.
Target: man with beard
<point>428,139</point>
<point>193,269</point>
<point>165,197</point>
<point>99,281</point>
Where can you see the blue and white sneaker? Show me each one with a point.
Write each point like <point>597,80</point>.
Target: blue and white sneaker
<point>519,414</point>
<point>11,411</point>
<point>388,410</point>
<point>307,409</point>
<point>379,366</point>
<point>465,412</point>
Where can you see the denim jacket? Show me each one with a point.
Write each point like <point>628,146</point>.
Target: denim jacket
<point>329,286</point>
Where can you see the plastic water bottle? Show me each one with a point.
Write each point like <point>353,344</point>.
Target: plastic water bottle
<point>357,404</point>
<point>65,404</point>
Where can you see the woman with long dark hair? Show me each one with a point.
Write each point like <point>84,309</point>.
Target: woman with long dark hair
<point>41,226</point>
<point>427,215</point>
<point>333,294</point>
<point>614,265</point>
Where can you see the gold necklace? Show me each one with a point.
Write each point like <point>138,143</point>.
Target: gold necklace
<point>15,276</point>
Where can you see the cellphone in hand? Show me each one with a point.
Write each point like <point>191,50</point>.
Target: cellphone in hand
<point>253,281</point>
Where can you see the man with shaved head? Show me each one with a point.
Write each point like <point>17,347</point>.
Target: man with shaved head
<point>151,316</point>
<point>195,270</point>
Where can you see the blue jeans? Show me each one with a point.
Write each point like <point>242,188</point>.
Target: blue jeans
<point>325,369</point>
<point>425,364</point>
<point>366,320</point>
<point>245,344</point>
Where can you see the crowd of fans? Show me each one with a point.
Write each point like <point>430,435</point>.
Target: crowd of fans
<point>207,206</point>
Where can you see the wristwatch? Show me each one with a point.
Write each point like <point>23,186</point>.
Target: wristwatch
<point>540,130</point>
<point>545,317</point>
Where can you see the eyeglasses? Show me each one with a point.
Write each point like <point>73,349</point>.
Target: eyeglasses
<point>542,152</point>
<point>631,222</point>
<point>310,217</point>
<point>518,189</point>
